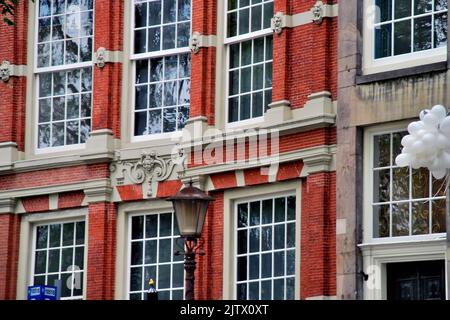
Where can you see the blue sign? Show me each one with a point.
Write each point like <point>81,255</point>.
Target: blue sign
<point>42,293</point>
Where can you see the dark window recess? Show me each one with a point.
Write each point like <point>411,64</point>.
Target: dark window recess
<point>416,280</point>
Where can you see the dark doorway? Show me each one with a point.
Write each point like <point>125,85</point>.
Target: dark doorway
<point>424,280</point>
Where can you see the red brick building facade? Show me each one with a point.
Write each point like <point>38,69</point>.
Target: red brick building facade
<point>81,207</point>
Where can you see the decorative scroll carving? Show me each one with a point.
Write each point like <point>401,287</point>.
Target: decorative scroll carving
<point>317,12</point>
<point>276,23</point>
<point>5,71</point>
<point>150,167</point>
<point>101,57</point>
<point>195,42</point>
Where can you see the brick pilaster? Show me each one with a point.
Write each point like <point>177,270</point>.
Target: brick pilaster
<point>281,50</point>
<point>107,80</point>
<point>12,93</point>
<point>209,273</point>
<point>318,232</point>
<point>9,255</point>
<point>204,19</point>
<point>100,274</point>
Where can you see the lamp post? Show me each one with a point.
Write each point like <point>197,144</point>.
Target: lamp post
<point>190,205</point>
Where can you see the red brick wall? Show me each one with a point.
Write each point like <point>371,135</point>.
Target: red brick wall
<point>209,273</point>
<point>9,255</point>
<point>318,236</point>
<point>54,176</point>
<point>101,251</point>
<point>70,199</point>
<point>36,204</point>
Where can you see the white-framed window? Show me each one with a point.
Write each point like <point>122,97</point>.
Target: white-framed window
<point>161,66</point>
<point>402,203</point>
<point>59,253</point>
<point>265,248</point>
<point>152,246</point>
<point>63,67</point>
<point>249,59</point>
<point>404,33</point>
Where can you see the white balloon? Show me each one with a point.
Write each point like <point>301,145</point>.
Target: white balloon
<point>418,147</point>
<point>423,113</point>
<point>415,126</point>
<point>445,126</point>
<point>429,139</point>
<point>402,160</point>
<point>442,141</point>
<point>439,111</point>
<point>407,140</point>
<point>419,134</point>
<point>439,174</point>
<point>431,120</point>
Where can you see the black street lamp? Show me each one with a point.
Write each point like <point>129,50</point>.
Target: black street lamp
<point>190,205</point>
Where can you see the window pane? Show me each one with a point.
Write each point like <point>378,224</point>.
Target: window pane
<point>266,290</point>
<point>400,183</point>
<point>79,239</point>
<point>67,259</point>
<point>154,13</point>
<point>150,251</point>
<point>242,215</point>
<point>402,8</point>
<point>55,235</point>
<point>137,226</point>
<point>278,289</point>
<point>164,277</point>
<point>242,241</point>
<point>140,15</point>
<point>440,30</point>
<point>267,211</point>
<point>383,38</point>
<point>400,219</point>
<point>402,37</point>
<point>422,6</point>
<point>383,10</point>
<point>420,217</point>
<point>381,185</point>
<point>40,262</point>
<point>268,14</point>
<point>280,209</point>
<point>422,33</point>
<point>151,226</point>
<point>256,18</point>
<point>440,5</point>
<point>165,250</point>
<point>420,183</point>
<point>140,123</point>
<point>266,240</point>
<point>254,240</point>
<point>244,21</point>
<point>266,265</point>
<point>53,260</point>
<point>136,279</point>
<point>245,107</point>
<point>41,237</point>
<point>254,267</point>
<point>68,234</point>
<point>242,269</point>
<point>279,236</point>
<point>253,291</point>
<point>381,221</point>
<point>438,218</point>
<point>169,11</point>
<point>136,253</point>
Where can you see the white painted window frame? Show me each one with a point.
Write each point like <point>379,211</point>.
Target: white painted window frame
<point>231,197</point>
<point>413,59</point>
<point>228,41</point>
<point>369,134</point>
<point>28,244</point>
<point>37,71</point>
<point>175,135</point>
<point>260,252</point>
<point>129,242</point>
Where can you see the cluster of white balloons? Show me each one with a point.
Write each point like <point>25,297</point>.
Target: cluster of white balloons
<point>428,142</point>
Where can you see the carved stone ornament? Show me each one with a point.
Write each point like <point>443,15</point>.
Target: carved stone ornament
<point>5,70</point>
<point>276,23</point>
<point>195,42</point>
<point>150,167</point>
<point>317,12</point>
<point>101,57</point>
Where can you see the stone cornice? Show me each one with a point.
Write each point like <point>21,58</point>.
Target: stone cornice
<point>315,159</point>
<point>51,189</point>
<point>7,205</point>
